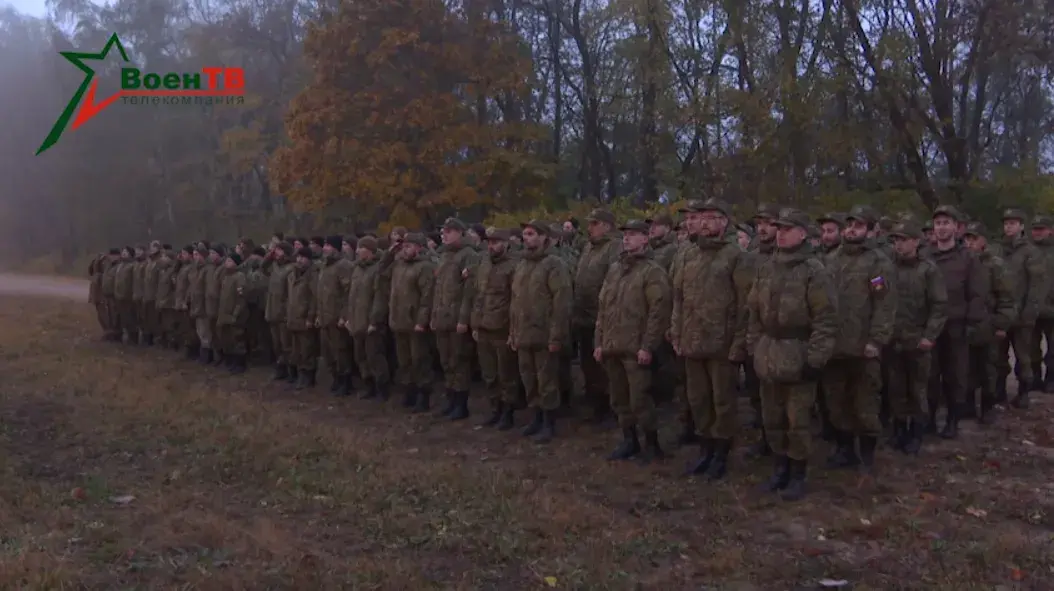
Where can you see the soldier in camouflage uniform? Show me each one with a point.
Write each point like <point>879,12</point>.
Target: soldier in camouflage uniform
<point>365,319</point>
<point>232,313</point>
<point>275,306</point>
<point>1027,273</point>
<point>186,334</point>
<point>454,291</point>
<point>539,319</point>
<point>831,226</point>
<point>867,307</point>
<point>1044,329</point>
<point>123,290</point>
<point>792,328</point>
<point>94,297</point>
<point>1002,312</point>
<point>199,271</point>
<point>106,291</point>
<point>633,313</point>
<point>763,249</point>
<point>490,328</point>
<point>601,251</point>
<point>921,313</point>
<point>708,330</point>
<point>213,282</point>
<point>300,315</point>
<point>662,240</point>
<point>150,314</point>
<point>138,266</point>
<point>334,279</point>
<point>744,236</point>
<point>165,299</point>
<point>409,315</point>
<point>257,330</point>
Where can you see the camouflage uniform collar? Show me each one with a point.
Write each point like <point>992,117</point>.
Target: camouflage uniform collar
<point>795,254</point>
<point>633,257</point>
<point>855,248</point>
<point>454,247</point>
<point>603,239</point>
<point>366,262</point>
<point>710,242</point>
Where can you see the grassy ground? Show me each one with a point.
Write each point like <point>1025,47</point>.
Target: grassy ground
<point>129,468</point>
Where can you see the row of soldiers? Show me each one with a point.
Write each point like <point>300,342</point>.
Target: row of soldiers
<point>859,318</point>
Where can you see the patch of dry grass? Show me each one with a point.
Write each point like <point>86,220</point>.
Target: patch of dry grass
<point>240,484</point>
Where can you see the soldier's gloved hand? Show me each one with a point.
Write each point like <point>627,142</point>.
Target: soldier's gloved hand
<point>810,373</point>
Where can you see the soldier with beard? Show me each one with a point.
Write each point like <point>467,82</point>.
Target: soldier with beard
<point>662,240</point>
<point>409,315</point>
<point>275,304</point>
<point>165,299</point>
<point>300,316</point>
<point>1027,274</point>
<point>490,328</point>
<point>763,248</point>
<point>365,320</point>
<point>831,226</point>
<point>334,278</point>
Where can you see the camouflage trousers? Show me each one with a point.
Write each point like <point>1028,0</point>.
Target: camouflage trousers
<point>231,338</point>
<point>102,316</point>
<point>710,385</point>
<point>1043,331</point>
<point>203,327</point>
<point>499,366</point>
<point>851,390</point>
<point>304,353</point>
<point>593,372</point>
<point>168,325</point>
<point>127,318</point>
<point>629,384</point>
<point>414,352</point>
<point>281,343</point>
<point>113,319</point>
<point>981,375</point>
<point>334,341</point>
<point>907,377</point>
<point>949,369</point>
<point>370,356</point>
<point>258,335</point>
<point>786,409</point>
<point>455,358</point>
<point>540,372</point>
<point>1020,338</point>
<point>188,329</point>
<point>150,318</point>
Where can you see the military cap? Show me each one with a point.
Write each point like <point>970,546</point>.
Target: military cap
<point>861,213</point>
<point>335,242</point>
<point>498,234</point>
<point>793,217</point>
<point>351,239</point>
<point>454,224</point>
<point>367,242</point>
<point>556,230</point>
<point>601,215</point>
<point>538,226</point>
<point>285,247</point>
<point>1014,213</point>
<point>692,205</point>
<point>767,211</point>
<point>976,229</point>
<point>635,226</point>
<point>886,223</point>
<point>814,231</point>
<point>927,225</point>
<point>949,211</point>
<point>747,228</point>
<point>237,258</point>
<point>305,252</point>
<point>662,219</point>
<point>1042,221</point>
<point>832,217</point>
<point>318,240</point>
<point>399,231</point>
<point>416,238</point>
<point>906,229</point>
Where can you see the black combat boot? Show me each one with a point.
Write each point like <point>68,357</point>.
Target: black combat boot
<point>293,374</point>
<point>706,457</point>
<point>344,389</point>
<point>1037,383</point>
<point>719,466</point>
<point>460,411</point>
<point>369,390</point>
<point>868,443</point>
<point>536,424</point>
<point>548,430</point>
<point>410,396</point>
<point>652,450</point>
<point>951,423</point>
<point>382,388</point>
<point>1020,401</point>
<point>628,447</point>
<point>451,403</point>
<point>899,436</point>
<point>1000,390</point>
<point>988,414</point>
<point>687,436</point>
<point>844,456</point>
<point>423,403</point>
<point>149,338</point>
<point>238,364</point>
<point>760,448</point>
<point>1048,383</point>
<point>334,384</point>
<point>795,489</point>
<point>205,356</point>
<point>913,440</point>
<point>281,372</point>
<point>931,425</point>
<point>496,409</point>
<point>780,475</point>
<point>508,418</point>
<point>192,352</point>
<point>306,380</point>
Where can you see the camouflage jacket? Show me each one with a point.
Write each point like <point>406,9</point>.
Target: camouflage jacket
<point>962,277</point>
<point>150,278</point>
<point>213,278</point>
<point>634,305</point>
<point>1029,277</point>
<point>334,279</point>
<point>232,307</point>
<point>493,294</point>
<point>413,287</point>
<point>277,303</point>
<point>540,310</point>
<point>138,268</point>
<point>182,284</point>
<point>793,316</point>
<point>589,276</point>
<point>95,272</point>
<point>455,287</point>
<point>867,297</point>
<point>922,303</point>
<point>199,272</point>
<point>256,284</point>
<point>301,283</point>
<point>999,298</point>
<point>663,251</point>
<point>123,280</point>
<point>109,276</point>
<point>361,292</point>
<point>165,291</point>
<point>709,304</point>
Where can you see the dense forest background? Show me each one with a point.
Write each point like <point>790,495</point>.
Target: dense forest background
<point>404,111</point>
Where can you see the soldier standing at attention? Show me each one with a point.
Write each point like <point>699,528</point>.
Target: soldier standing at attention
<point>151,320</point>
<point>122,291</point>
<point>409,314</point>
<point>366,328</point>
<point>633,314</point>
<point>165,299</point>
<point>196,303</point>
<point>138,268</point>
<point>334,279</point>
<point>792,329</point>
<point>602,249</point>
<point>455,285</point>
<point>539,319</point>
<point>921,313</point>
<point>763,248</point>
<point>708,331</point>
<point>1027,273</point>
<point>300,315</point>
<point>963,276</point>
<point>831,227</point>
<point>867,307</point>
<point>213,277</point>
<point>1044,330</point>
<point>662,240</point>
<point>490,328</point>
<point>185,332</point>
<point>106,289</point>
<point>275,307</point>
<point>1002,312</point>
<point>95,270</point>
<point>232,312</point>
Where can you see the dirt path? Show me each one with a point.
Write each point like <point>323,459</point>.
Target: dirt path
<point>57,287</point>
